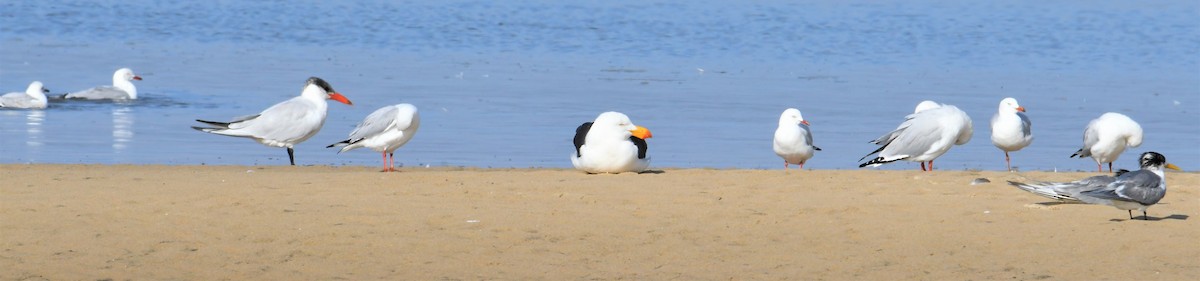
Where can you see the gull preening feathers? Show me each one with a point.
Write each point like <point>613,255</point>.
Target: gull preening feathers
<point>384,131</point>
<point>611,144</point>
<point>1011,129</point>
<point>793,139</point>
<point>284,124</point>
<point>923,136</point>
<point>1137,190</point>
<point>1106,137</point>
<point>121,89</point>
<point>34,97</point>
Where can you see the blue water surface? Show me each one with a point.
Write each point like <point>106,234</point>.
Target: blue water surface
<point>504,83</point>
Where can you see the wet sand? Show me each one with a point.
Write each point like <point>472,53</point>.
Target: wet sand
<point>89,222</point>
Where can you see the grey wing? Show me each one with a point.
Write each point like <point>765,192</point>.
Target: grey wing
<point>15,100</point>
<point>100,93</point>
<point>886,138</point>
<point>1139,186</point>
<point>1090,138</point>
<point>807,135</point>
<point>1026,125</point>
<point>375,123</point>
<point>917,137</point>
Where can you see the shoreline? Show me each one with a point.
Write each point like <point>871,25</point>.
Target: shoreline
<point>351,222</point>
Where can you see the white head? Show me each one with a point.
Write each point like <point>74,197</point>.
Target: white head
<point>792,117</point>
<point>36,90</point>
<point>1009,105</point>
<point>617,126</point>
<point>121,80</point>
<point>926,105</point>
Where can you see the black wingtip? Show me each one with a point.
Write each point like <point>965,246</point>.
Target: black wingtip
<point>1077,153</point>
<point>819,149</point>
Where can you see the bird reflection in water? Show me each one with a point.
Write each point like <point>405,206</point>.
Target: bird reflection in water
<point>122,132</point>
<point>33,129</point>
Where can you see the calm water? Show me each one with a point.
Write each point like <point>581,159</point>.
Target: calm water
<point>505,84</point>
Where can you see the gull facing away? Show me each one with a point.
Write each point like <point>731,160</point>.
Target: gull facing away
<point>793,140</point>
<point>923,136</point>
<point>1011,128</point>
<point>284,124</point>
<point>611,144</point>
<point>1129,191</point>
<point>34,97</point>
<point>122,88</point>
<point>384,130</point>
<point>1106,137</point>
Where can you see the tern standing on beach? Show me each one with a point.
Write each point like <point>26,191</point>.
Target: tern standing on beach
<point>284,124</point>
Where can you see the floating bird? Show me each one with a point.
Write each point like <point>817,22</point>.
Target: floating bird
<point>793,140</point>
<point>385,130</point>
<point>1106,137</point>
<point>121,89</point>
<point>1010,128</point>
<point>284,124</point>
<point>611,144</point>
<point>1136,190</point>
<point>923,136</point>
<point>33,97</point>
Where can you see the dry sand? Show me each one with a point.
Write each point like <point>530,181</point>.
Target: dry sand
<point>89,222</point>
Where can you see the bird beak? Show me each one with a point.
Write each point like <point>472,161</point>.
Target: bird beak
<point>139,78</point>
<point>805,122</point>
<point>641,133</point>
<point>1173,167</point>
<point>1021,108</point>
<point>340,98</point>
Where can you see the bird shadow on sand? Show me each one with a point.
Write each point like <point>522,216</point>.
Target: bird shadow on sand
<point>652,172</point>
<point>1171,217</point>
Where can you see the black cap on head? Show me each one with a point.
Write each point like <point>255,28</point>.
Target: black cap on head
<point>1152,158</point>
<point>320,83</point>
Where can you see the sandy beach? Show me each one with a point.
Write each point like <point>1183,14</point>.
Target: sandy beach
<point>99,222</point>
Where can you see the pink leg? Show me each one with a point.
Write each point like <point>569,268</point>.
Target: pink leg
<point>801,166</point>
<point>1099,169</point>
<point>785,165</point>
<point>1007,163</point>
<point>385,168</point>
<point>931,165</point>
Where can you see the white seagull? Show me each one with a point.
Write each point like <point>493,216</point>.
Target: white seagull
<point>121,89</point>
<point>1010,128</point>
<point>33,97</point>
<point>793,140</point>
<point>1106,137</point>
<point>923,136</point>
<point>284,124</point>
<point>1129,191</point>
<point>385,130</point>
<point>611,144</point>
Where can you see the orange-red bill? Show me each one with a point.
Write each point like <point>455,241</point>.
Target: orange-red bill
<point>805,122</point>
<point>641,133</point>
<point>135,77</point>
<point>1021,108</point>
<point>340,98</point>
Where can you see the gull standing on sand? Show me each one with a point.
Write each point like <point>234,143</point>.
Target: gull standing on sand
<point>284,124</point>
<point>384,130</point>
<point>793,140</point>
<point>1129,191</point>
<point>122,88</point>
<point>1010,128</point>
<point>1106,138</point>
<point>34,97</point>
<point>611,144</point>
<point>923,136</point>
